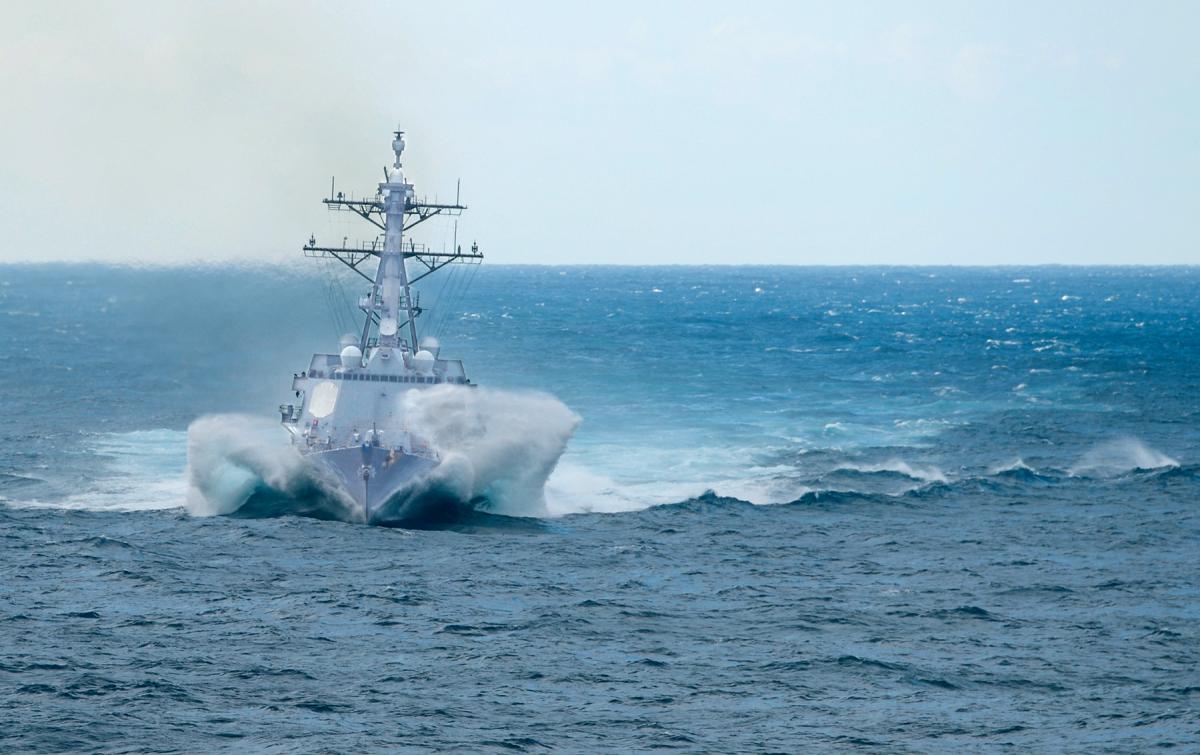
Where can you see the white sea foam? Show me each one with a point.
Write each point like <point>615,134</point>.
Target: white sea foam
<point>231,456</point>
<point>500,444</point>
<point>496,444</point>
<point>1119,456</point>
<point>928,473</point>
<point>576,488</point>
<point>144,472</point>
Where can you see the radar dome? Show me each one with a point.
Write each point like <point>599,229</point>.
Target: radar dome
<point>351,357</point>
<point>423,362</point>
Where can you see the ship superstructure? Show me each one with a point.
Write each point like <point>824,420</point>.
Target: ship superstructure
<point>349,414</point>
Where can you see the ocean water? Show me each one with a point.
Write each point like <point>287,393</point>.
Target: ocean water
<point>804,509</point>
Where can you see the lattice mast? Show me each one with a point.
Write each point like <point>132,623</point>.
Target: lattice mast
<point>391,292</point>
<point>390,306</point>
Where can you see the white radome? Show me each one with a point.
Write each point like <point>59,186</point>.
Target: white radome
<point>351,357</point>
<point>423,362</point>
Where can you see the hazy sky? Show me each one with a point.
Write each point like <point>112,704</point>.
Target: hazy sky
<point>800,133</point>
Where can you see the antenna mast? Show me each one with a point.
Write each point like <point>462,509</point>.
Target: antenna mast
<point>389,306</point>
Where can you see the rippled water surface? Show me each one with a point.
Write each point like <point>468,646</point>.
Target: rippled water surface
<point>806,509</point>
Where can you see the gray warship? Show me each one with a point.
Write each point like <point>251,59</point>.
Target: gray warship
<point>348,419</point>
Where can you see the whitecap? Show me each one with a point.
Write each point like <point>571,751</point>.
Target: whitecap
<point>928,473</point>
<point>1119,456</point>
<point>1018,465</point>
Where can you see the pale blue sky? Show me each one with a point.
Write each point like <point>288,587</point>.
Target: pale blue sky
<point>795,133</point>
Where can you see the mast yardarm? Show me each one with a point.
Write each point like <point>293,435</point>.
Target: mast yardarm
<point>390,306</point>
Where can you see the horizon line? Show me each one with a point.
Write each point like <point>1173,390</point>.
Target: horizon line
<point>191,264</point>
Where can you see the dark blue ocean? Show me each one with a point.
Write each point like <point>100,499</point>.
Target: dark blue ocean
<point>804,510</point>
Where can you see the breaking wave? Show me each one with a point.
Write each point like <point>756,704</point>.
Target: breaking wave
<point>498,448</point>
<point>898,467</point>
<point>1118,457</point>
<point>575,488</point>
<point>239,464</point>
<point>1019,472</point>
<point>1017,467</point>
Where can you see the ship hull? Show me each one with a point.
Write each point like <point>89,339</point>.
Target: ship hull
<point>378,480</point>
